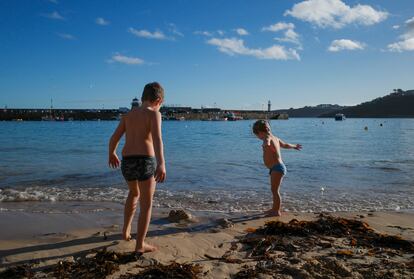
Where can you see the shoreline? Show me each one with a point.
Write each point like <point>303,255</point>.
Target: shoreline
<point>65,237</point>
<point>205,119</point>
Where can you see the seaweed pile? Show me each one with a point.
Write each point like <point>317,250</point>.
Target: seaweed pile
<point>172,271</point>
<point>329,247</point>
<point>21,271</point>
<point>102,264</point>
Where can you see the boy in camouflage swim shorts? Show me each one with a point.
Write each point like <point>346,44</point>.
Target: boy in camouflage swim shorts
<point>143,160</point>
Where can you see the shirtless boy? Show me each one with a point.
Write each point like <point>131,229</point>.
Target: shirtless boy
<point>273,160</point>
<point>143,162</point>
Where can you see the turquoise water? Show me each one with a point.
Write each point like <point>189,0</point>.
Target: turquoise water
<point>217,166</point>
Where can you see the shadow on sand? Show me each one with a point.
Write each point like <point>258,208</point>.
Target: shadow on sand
<point>108,241</point>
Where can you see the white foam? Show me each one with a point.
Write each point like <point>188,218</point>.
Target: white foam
<point>215,201</point>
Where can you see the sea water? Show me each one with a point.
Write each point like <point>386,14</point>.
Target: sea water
<point>214,165</point>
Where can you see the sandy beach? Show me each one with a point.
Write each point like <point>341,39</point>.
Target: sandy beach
<point>42,245</point>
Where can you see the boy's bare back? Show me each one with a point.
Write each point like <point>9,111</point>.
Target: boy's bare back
<point>139,126</point>
<point>271,151</point>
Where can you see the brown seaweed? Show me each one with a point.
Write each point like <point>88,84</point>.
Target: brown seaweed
<point>171,271</point>
<point>280,250</point>
<point>360,233</point>
<point>101,265</point>
<point>325,267</point>
<point>21,271</point>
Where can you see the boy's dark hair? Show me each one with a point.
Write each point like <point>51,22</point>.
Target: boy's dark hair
<point>261,126</point>
<point>152,91</point>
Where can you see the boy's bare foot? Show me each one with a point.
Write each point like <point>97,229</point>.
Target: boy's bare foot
<point>126,234</point>
<point>146,248</point>
<point>273,213</point>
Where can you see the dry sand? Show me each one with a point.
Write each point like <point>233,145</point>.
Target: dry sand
<point>43,240</point>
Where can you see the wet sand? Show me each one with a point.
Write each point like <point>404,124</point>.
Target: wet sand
<point>43,240</point>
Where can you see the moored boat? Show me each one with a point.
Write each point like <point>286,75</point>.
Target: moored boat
<point>340,117</point>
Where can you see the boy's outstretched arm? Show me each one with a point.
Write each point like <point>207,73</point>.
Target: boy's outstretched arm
<point>289,145</point>
<point>113,160</point>
<point>156,133</point>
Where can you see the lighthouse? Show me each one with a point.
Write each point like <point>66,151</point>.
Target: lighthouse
<point>135,103</point>
<point>269,106</point>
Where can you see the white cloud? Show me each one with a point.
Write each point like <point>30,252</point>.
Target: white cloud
<point>241,31</point>
<point>409,24</point>
<point>125,59</point>
<point>209,33</point>
<point>204,33</point>
<point>234,46</point>
<point>406,42</point>
<point>54,15</point>
<point>335,13</point>
<point>66,36</point>
<point>174,30</point>
<point>147,34</point>
<point>278,27</point>
<point>290,35</point>
<point>344,44</point>
<point>102,21</point>
<point>405,45</point>
<point>395,27</point>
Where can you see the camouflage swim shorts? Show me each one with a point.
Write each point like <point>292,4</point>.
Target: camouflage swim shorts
<point>138,167</point>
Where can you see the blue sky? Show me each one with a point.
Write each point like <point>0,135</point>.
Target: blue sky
<point>235,54</point>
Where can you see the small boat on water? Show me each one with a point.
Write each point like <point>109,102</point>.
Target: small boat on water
<point>219,119</point>
<point>340,117</point>
<point>52,118</point>
<point>232,117</point>
<point>173,118</point>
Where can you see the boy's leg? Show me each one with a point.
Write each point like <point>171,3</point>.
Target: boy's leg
<point>130,207</point>
<point>147,189</point>
<point>275,181</point>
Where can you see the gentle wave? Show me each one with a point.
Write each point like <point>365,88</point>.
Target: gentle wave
<point>218,200</point>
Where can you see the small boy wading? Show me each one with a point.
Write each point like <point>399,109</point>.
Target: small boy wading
<point>273,161</point>
<point>142,160</point>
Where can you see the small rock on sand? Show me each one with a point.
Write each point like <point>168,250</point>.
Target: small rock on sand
<point>225,223</point>
<point>179,215</point>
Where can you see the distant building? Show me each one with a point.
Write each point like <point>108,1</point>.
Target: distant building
<point>269,106</point>
<point>123,109</point>
<point>211,110</point>
<point>175,109</point>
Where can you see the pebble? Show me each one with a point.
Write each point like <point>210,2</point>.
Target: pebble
<point>225,223</point>
<point>178,215</point>
<point>146,262</point>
